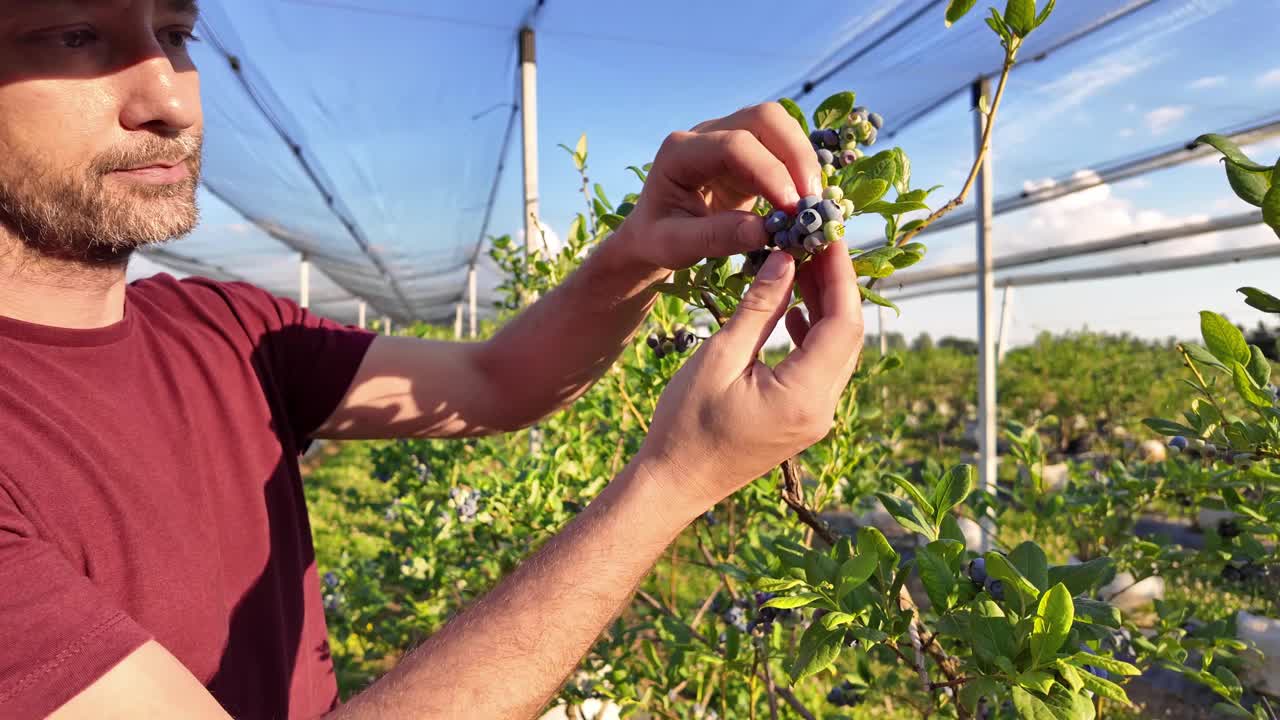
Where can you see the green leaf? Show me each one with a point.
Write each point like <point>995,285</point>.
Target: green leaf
<point>1045,13</point>
<point>794,111</point>
<point>916,496</point>
<point>1031,707</point>
<point>1052,623</point>
<point>1259,368</point>
<point>580,152</point>
<point>1246,387</point>
<point>908,516</point>
<point>952,489</point>
<point>641,173</point>
<point>1223,339</point>
<point>1271,208</point>
<point>833,111</point>
<point>903,181</point>
<point>1104,688</point>
<point>939,581</point>
<point>1259,300</point>
<point>906,260</point>
<point>1037,680</point>
<point>1199,354</point>
<point>1070,676</point>
<point>856,571</point>
<point>868,190</point>
<point>949,529</point>
<point>1020,16</point>
<point>790,602</point>
<point>890,209</point>
<point>999,568</point>
<point>956,9</point>
<point>990,632</point>
<point>603,198</point>
<point>1084,577</point>
<point>877,299</point>
<point>873,542</point>
<point>1168,428</point>
<point>1106,662</point>
<point>1029,559</point>
<point>1230,150</point>
<point>833,620</point>
<point>819,648</point>
<point>612,221</point>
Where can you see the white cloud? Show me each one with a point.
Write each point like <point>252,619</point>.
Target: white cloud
<point>1210,81</point>
<point>1163,118</point>
<point>1270,78</point>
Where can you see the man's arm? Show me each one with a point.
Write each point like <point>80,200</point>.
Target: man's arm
<point>695,204</point>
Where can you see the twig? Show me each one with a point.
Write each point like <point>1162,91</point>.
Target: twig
<point>626,397</point>
<point>772,690</point>
<point>706,554</point>
<point>913,632</point>
<point>978,161</point>
<point>949,684</point>
<point>795,704</point>
<point>706,605</point>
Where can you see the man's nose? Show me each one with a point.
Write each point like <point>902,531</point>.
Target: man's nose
<point>158,97</point>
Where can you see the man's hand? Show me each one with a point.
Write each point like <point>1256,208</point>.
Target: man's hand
<point>726,418</point>
<point>697,199</point>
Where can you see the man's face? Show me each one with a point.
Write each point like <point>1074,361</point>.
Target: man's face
<point>100,125</point>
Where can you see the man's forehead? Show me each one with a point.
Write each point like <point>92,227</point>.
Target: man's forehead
<point>177,6</point>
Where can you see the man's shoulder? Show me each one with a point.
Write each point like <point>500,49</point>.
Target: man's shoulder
<point>210,301</point>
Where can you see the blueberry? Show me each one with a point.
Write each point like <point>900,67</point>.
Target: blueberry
<point>871,136</point>
<point>668,347</point>
<point>847,207</point>
<point>1228,528</point>
<point>808,201</point>
<point>876,121</point>
<point>684,340</point>
<point>833,192</point>
<point>859,114</point>
<point>828,169</point>
<point>815,138</point>
<point>829,210</point>
<point>776,222</point>
<point>1177,443</point>
<point>830,139</point>
<point>381,475</point>
<point>978,571</point>
<point>330,580</point>
<point>995,588</point>
<point>848,135</point>
<point>810,221</point>
<point>863,130</point>
<point>815,242</point>
<point>652,341</point>
<point>709,518</point>
<point>332,603</point>
<point>825,157</point>
<point>779,239</point>
<point>1231,573</point>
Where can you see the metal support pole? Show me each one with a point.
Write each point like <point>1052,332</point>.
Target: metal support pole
<point>304,280</point>
<point>386,324</point>
<point>364,307</point>
<point>986,357</point>
<point>884,340</point>
<point>457,321</point>
<point>529,133</point>
<point>1006,319</point>
<point>471,297</point>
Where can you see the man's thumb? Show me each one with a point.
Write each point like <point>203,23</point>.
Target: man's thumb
<point>759,311</point>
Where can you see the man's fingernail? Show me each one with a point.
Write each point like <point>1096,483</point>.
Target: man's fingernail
<point>815,185</point>
<point>792,197</point>
<point>775,266</point>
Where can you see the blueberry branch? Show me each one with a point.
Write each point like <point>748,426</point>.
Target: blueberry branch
<point>1009,58</point>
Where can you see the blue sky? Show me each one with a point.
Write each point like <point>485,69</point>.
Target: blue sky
<point>385,93</point>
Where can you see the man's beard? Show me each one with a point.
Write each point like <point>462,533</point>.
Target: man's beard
<point>76,216</point>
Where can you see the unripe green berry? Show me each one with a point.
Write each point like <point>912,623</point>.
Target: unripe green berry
<point>847,206</point>
<point>829,170</point>
<point>833,192</point>
<point>833,231</point>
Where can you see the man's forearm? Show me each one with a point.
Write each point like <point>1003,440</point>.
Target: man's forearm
<point>558,347</point>
<point>507,655</point>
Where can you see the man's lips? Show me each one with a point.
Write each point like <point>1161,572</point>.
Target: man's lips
<point>160,173</point>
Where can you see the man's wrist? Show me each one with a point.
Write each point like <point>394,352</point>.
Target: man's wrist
<point>650,485</point>
<point>618,259</point>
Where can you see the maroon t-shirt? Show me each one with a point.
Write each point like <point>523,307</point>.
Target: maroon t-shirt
<point>149,488</point>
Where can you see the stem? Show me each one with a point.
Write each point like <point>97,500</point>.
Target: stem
<point>795,704</point>
<point>626,397</point>
<point>1204,388</point>
<point>586,194</point>
<point>1009,58</point>
<point>772,690</point>
<point>949,684</point>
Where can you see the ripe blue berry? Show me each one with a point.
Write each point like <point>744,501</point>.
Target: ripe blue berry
<point>825,157</point>
<point>815,138</point>
<point>776,222</point>
<point>815,242</point>
<point>1178,443</point>
<point>876,121</point>
<point>830,211</point>
<point>830,139</point>
<point>808,201</point>
<point>330,580</point>
<point>809,221</point>
<point>779,239</point>
<point>978,571</point>
<point>995,588</point>
<point>652,341</point>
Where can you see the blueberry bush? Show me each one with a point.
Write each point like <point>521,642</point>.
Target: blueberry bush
<point>783,601</point>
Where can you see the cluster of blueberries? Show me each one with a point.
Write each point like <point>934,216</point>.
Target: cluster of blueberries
<point>680,341</point>
<point>844,695</point>
<point>1207,450</point>
<point>467,503</point>
<point>819,220</point>
<point>763,617</point>
<point>977,573</point>
<point>1250,571</point>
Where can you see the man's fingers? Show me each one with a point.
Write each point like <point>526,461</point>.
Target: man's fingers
<point>832,345</point>
<point>737,157</point>
<point>807,285</point>
<point>783,136</point>
<point>690,239</point>
<point>797,325</point>
<point>735,346</point>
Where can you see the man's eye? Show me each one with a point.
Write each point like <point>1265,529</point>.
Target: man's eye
<point>179,38</point>
<point>78,38</point>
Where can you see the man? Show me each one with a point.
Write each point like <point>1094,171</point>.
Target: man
<point>155,556</point>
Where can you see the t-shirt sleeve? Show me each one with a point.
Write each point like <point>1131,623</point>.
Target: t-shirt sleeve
<point>311,359</point>
<point>60,632</point>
